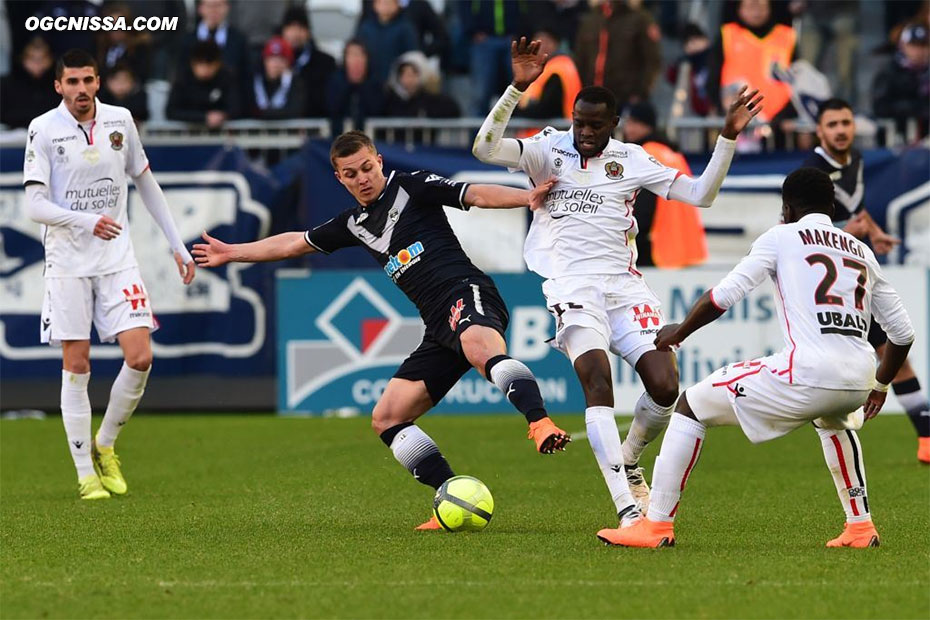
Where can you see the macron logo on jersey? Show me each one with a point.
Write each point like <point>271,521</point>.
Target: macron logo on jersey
<point>397,265</point>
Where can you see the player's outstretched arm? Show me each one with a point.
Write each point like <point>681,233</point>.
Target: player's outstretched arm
<point>490,146</point>
<point>703,190</point>
<point>504,197</point>
<point>154,200</point>
<point>703,311</point>
<point>742,279</point>
<point>214,252</point>
<point>882,242</point>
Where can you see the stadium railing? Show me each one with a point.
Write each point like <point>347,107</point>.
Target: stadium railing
<point>271,140</point>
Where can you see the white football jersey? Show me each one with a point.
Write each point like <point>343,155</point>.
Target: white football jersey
<point>587,226</point>
<point>85,171</point>
<point>829,286</point>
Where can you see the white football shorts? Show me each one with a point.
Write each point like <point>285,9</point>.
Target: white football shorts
<point>114,303</point>
<point>622,308</point>
<point>757,397</point>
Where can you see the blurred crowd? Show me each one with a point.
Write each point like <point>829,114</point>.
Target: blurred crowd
<point>261,60</point>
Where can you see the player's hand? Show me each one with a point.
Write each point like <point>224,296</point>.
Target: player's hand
<point>527,62</point>
<point>668,337</point>
<point>744,108</point>
<point>185,269</point>
<point>882,242</point>
<point>107,228</point>
<point>539,193</point>
<point>213,253</point>
<point>874,403</point>
<point>857,226</point>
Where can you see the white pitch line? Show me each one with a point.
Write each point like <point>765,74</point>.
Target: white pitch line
<point>582,435</point>
<point>598,583</point>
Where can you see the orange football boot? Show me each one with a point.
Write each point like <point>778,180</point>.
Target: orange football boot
<point>430,525</point>
<point>643,533</point>
<point>857,535</point>
<point>923,449</point>
<point>548,436</point>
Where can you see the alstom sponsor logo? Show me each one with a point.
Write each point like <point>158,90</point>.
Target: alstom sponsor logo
<point>403,260</point>
<point>564,202</point>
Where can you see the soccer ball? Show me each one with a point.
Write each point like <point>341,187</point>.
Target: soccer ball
<point>463,504</point>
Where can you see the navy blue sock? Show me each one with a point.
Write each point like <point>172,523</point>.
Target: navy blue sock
<point>518,384</point>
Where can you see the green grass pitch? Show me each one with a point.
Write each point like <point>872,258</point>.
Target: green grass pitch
<point>255,516</point>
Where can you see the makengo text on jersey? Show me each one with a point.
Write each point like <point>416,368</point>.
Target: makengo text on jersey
<point>831,240</point>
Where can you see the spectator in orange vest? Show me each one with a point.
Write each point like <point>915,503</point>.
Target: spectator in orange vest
<point>746,52</point>
<point>671,234</point>
<point>553,93</point>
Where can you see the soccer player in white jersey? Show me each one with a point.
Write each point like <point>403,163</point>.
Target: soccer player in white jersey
<point>78,159</point>
<point>828,286</point>
<point>583,242</point>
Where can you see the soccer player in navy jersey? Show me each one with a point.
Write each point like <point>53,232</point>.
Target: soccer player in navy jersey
<point>400,221</point>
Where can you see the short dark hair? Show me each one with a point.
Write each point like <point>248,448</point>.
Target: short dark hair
<point>550,31</point>
<point>598,94</point>
<point>206,51</point>
<point>808,190</point>
<point>834,103</point>
<point>73,59</point>
<point>296,15</point>
<point>692,31</point>
<point>120,67</point>
<point>349,143</point>
<point>357,43</point>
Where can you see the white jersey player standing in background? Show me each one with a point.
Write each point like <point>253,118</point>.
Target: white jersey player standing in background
<point>78,159</point>
<point>583,243</point>
<point>828,286</point>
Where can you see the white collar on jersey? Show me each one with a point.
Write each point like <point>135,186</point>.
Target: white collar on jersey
<point>63,110</point>
<point>820,151</point>
<point>817,218</point>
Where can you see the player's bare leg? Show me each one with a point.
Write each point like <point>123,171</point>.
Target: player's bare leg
<point>402,402</point>
<point>486,351</point>
<point>125,395</point>
<point>659,373</point>
<point>843,454</point>
<point>681,448</point>
<point>593,370</point>
<point>909,393</point>
<point>76,415</point>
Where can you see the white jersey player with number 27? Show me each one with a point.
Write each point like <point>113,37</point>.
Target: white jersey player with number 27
<point>584,243</point>
<point>828,286</point>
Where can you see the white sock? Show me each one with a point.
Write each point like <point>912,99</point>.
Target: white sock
<point>649,419</point>
<point>604,438</point>
<point>843,453</point>
<point>125,395</point>
<point>913,401</point>
<point>680,450</point>
<point>75,415</point>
